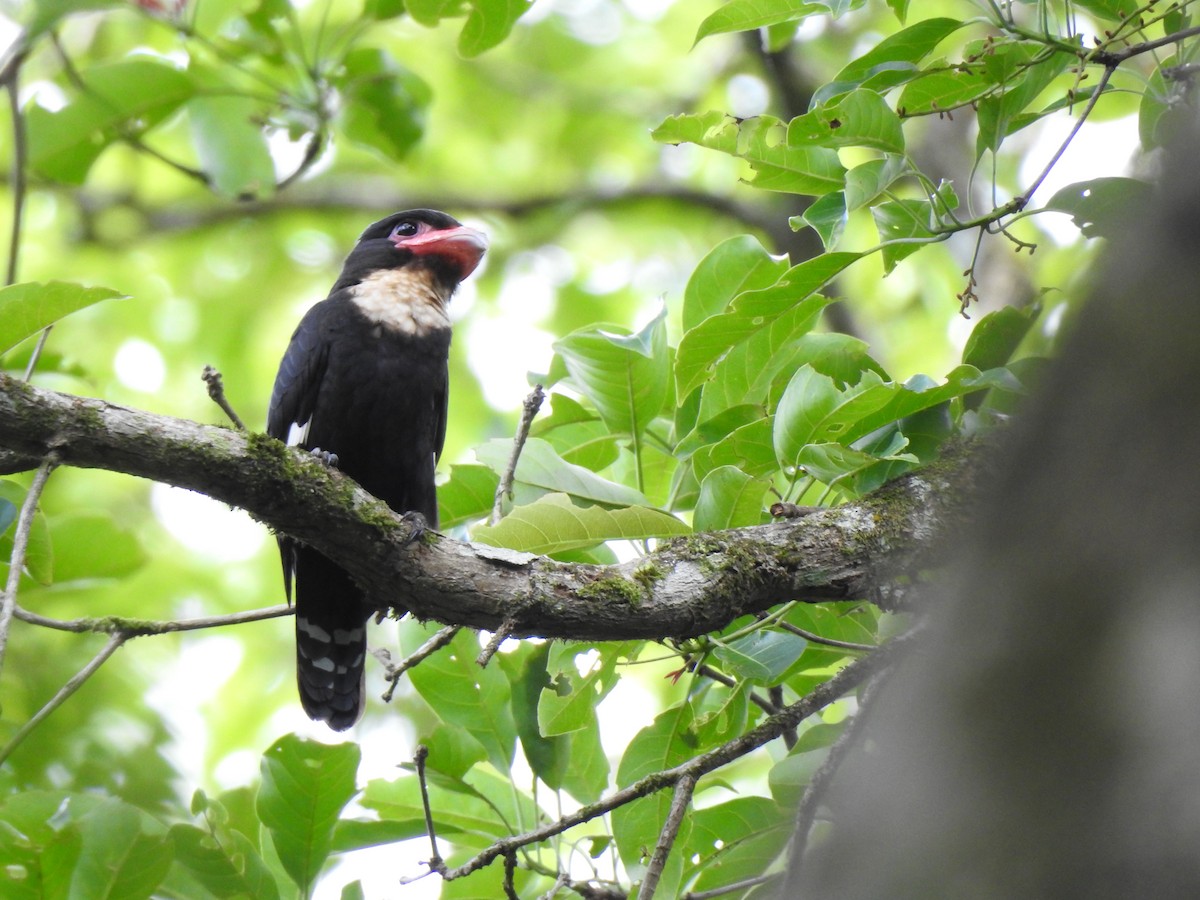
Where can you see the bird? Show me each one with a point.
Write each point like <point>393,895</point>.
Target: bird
<point>364,385</point>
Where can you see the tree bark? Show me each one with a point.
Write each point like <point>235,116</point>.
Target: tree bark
<point>686,587</point>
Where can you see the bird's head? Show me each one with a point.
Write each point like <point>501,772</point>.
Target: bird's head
<point>423,238</point>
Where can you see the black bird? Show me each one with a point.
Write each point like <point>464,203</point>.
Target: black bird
<point>365,380</point>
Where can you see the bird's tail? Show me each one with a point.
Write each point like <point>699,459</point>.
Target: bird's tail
<point>331,641</point>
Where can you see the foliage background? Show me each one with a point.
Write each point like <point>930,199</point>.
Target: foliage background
<point>543,137</point>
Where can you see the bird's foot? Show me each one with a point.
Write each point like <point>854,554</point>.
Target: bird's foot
<point>325,456</point>
<point>417,523</point>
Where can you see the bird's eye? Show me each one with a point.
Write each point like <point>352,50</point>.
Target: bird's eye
<point>405,229</point>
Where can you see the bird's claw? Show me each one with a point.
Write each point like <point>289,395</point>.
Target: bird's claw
<point>330,459</point>
<point>417,523</point>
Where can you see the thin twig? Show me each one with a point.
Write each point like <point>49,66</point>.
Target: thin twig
<point>431,646</point>
<point>216,391</point>
<point>8,603</point>
<point>436,863</point>
<point>18,176</point>
<point>143,628</point>
<point>530,409</point>
<point>773,727</point>
<point>729,888</point>
<point>114,642</point>
<point>828,642</point>
<point>498,637</point>
<point>1083,117</point>
<point>666,838</point>
<point>510,871</point>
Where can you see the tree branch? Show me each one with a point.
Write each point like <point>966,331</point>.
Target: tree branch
<point>687,587</point>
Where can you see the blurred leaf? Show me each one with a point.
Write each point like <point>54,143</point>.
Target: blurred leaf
<point>231,147</point>
<point>383,105</point>
<point>453,751</point>
<point>625,376</point>
<point>943,88</point>
<point>553,523</point>
<point>110,851</point>
<point>729,498</point>
<point>134,95</point>
<point>305,786</point>
<point>27,308</point>
<point>100,548</point>
<point>995,338</point>
<point>488,23</point>
<point>39,550</point>
<point>568,700</point>
<point>1101,207</point>
<point>1011,63</point>
<point>40,16</point>
<point>865,182</point>
<point>542,468</point>
<point>226,872</point>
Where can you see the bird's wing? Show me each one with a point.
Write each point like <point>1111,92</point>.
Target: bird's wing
<point>299,380</point>
<point>441,405</point>
<point>293,400</point>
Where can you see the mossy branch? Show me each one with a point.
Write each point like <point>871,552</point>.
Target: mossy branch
<point>686,587</point>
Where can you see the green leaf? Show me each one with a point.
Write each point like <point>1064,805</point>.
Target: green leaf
<point>747,15</point>
<point>134,95</point>
<point>467,495</point>
<point>892,61</point>
<point>733,266</point>
<point>553,523</point>
<point>627,377</point>
<point>305,786</point>
<point>1010,64</point>
<point>224,871</point>
<point>729,498</point>
<point>763,656</point>
<point>942,88</point>
<point>864,183</point>
<point>814,410</point>
<point>467,696</point>
<point>830,462</point>
<point>27,308</point>
<point>826,216</point>
<point>383,104</point>
<point>748,448</point>
<point>762,142</point>
<point>860,118</point>
<point>452,751</point>
<point>568,701</point>
<point>231,147</point>
<point>541,468</point>
<point>577,433</point>
<point>1101,207</point>
<point>753,311</point>
<point>995,338</point>
<point>488,23</point>
<point>736,840</point>
<point>904,223</point>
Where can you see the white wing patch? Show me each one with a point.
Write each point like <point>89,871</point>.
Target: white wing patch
<point>298,433</point>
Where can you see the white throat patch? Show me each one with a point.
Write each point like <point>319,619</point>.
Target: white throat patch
<point>402,300</point>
